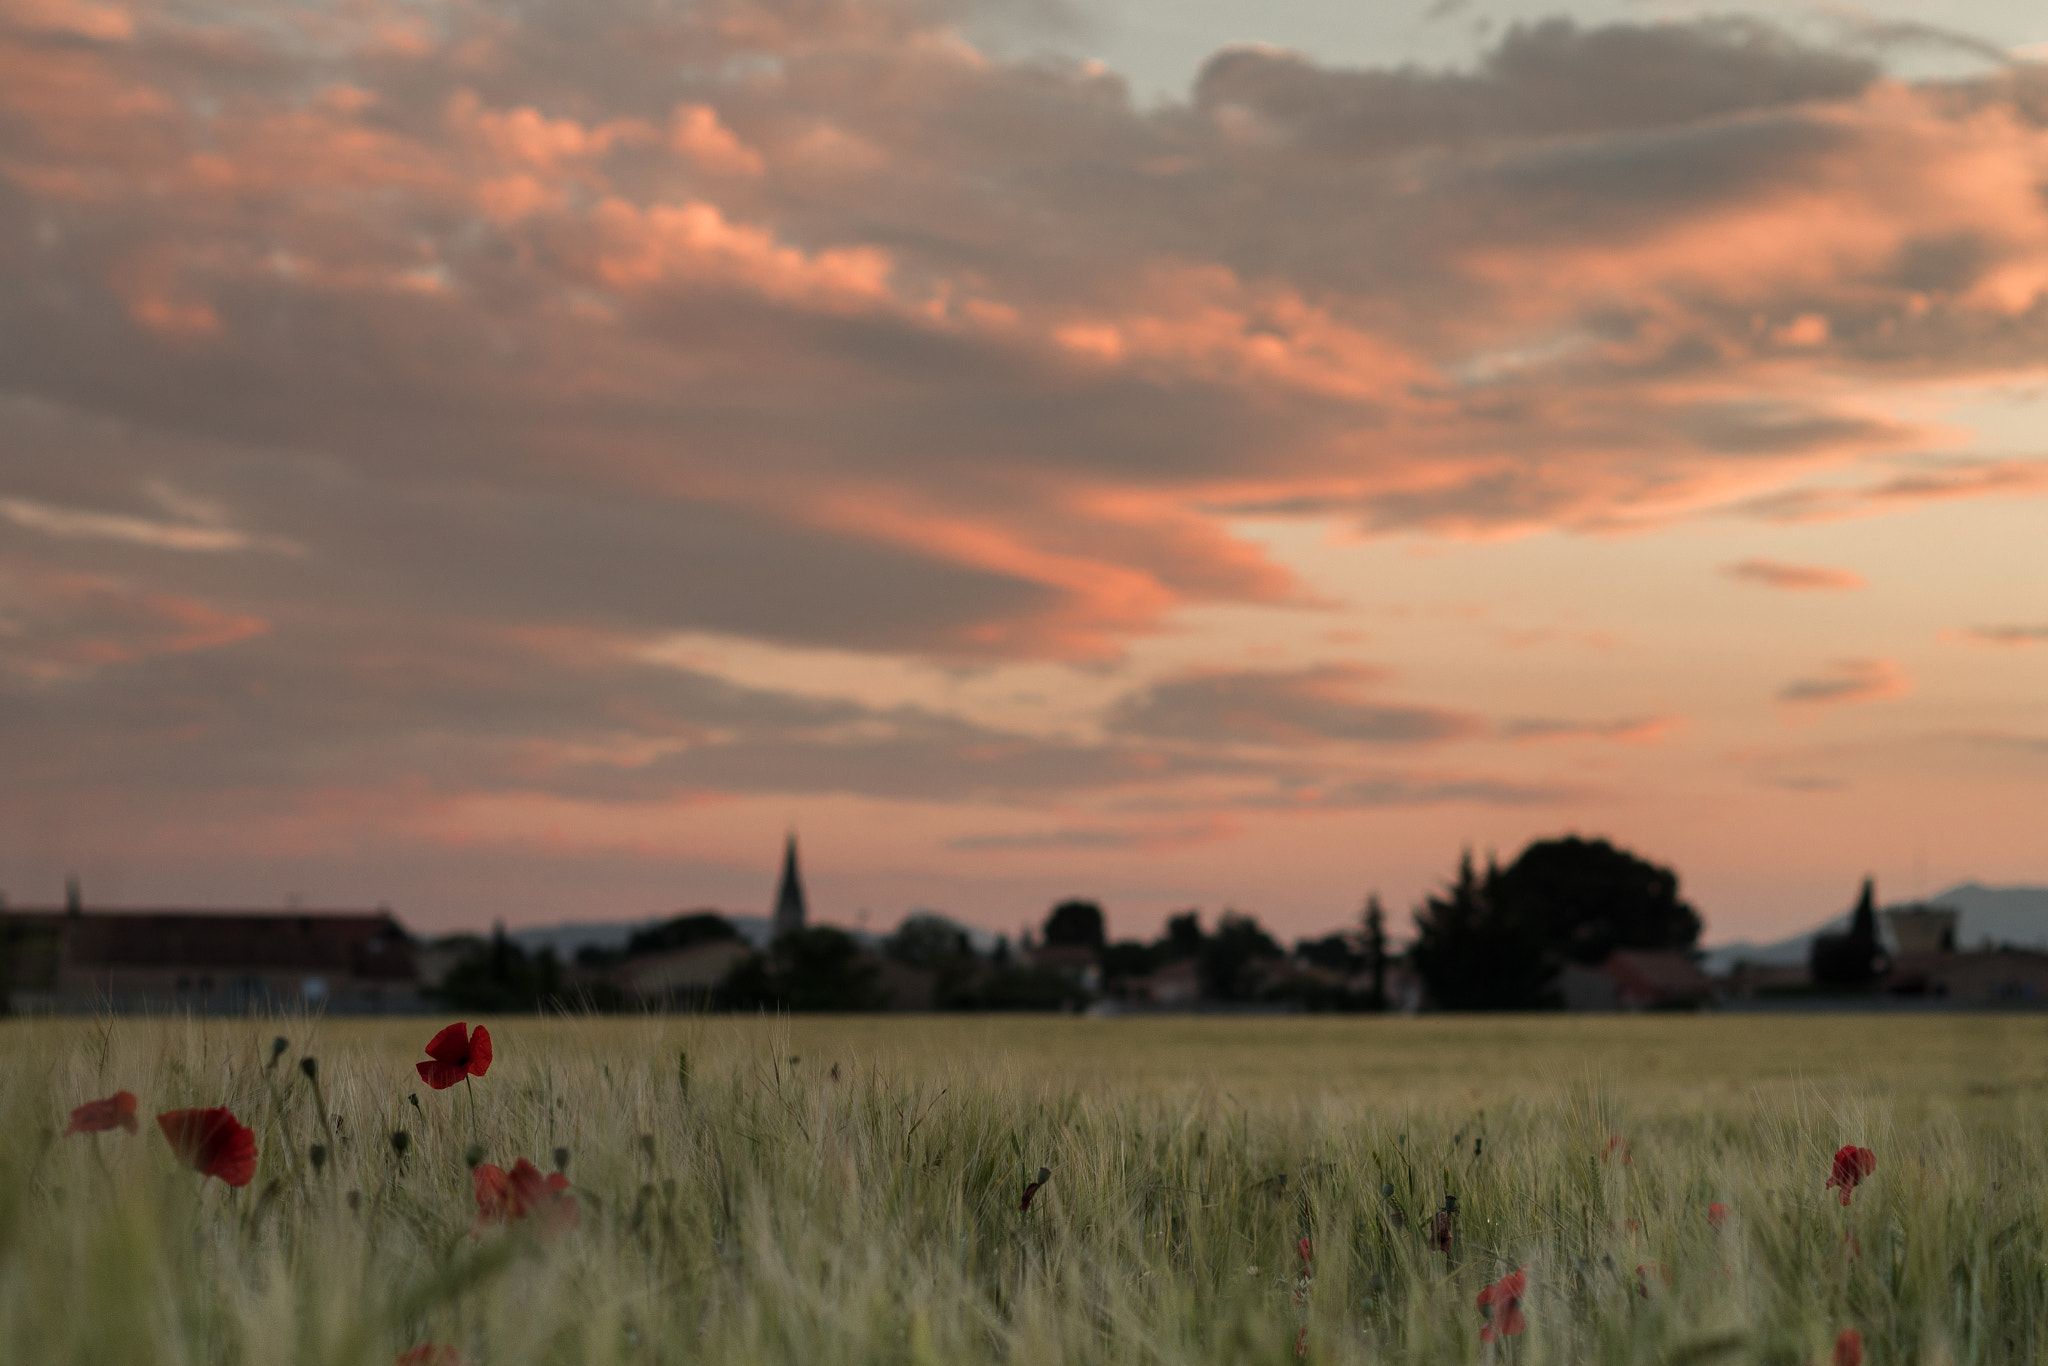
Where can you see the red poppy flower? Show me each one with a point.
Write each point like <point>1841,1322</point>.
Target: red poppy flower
<point>97,1116</point>
<point>430,1354</point>
<point>1304,1250</point>
<point>1031,1191</point>
<point>1617,1146</point>
<point>1502,1302</point>
<point>503,1196</point>
<point>1717,1214</point>
<point>1301,1343</point>
<point>1852,1164</point>
<point>456,1054</point>
<point>1647,1270</point>
<point>1849,1348</point>
<point>212,1142</point>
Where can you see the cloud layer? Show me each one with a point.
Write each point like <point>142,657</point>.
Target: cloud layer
<point>380,380</point>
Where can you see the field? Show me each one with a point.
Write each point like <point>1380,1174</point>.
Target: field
<point>846,1190</point>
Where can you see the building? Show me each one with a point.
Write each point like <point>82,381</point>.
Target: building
<point>1636,979</point>
<point>791,911</point>
<point>681,976</point>
<point>220,962</point>
<point>1922,929</point>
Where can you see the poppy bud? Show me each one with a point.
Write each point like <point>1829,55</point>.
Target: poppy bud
<point>277,1047</point>
<point>355,1199</point>
<point>561,1159</point>
<point>318,1152</point>
<point>311,1067</point>
<point>647,1145</point>
<point>1450,1204</point>
<point>1387,1190</point>
<point>473,1156</point>
<point>400,1141</point>
<point>414,1097</point>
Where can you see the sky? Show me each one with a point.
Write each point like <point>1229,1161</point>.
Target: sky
<point>517,462</point>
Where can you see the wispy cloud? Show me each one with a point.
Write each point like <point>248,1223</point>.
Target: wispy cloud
<point>1797,577</point>
<point>1848,680</point>
<point>2006,635</point>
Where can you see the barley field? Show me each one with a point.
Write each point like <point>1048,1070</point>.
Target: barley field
<point>828,1190</point>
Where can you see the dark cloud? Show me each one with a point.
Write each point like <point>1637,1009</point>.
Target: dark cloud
<point>1306,707</point>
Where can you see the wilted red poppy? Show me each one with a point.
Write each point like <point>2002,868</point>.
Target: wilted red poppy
<point>503,1196</point>
<point>430,1354</point>
<point>1852,1164</point>
<point>1849,1348</point>
<point>97,1116</point>
<point>456,1054</point>
<point>1440,1231</point>
<point>1502,1302</point>
<point>1301,1343</point>
<point>1649,1270</point>
<point>1717,1214</point>
<point>1031,1191</point>
<point>1305,1250</point>
<point>212,1142</point>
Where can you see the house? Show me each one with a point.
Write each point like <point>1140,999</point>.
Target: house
<point>680,975</point>
<point>1990,978</point>
<point>220,962</point>
<point>1081,963</point>
<point>1636,979</point>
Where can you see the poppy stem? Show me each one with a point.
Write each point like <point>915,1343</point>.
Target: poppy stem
<point>469,1085</point>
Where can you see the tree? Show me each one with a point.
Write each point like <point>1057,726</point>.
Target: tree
<point>1589,898</point>
<point>815,968</point>
<point>1376,950</point>
<point>1856,959</point>
<point>498,976</point>
<point>1228,954</point>
<point>1476,951</point>
<point>927,941</point>
<point>1184,937</point>
<point>1076,922</point>
<point>683,932</point>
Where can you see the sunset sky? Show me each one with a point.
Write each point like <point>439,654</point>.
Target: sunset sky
<point>517,461</point>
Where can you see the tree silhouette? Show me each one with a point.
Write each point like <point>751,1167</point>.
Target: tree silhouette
<point>1856,959</point>
<point>1376,950</point>
<point>1076,922</point>
<point>1476,951</point>
<point>1589,898</point>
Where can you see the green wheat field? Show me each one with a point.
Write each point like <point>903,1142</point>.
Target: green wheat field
<point>827,1190</point>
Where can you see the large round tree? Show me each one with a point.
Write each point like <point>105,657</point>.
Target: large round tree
<point>1590,898</point>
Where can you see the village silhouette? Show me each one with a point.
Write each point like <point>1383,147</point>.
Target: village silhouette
<point>1571,923</point>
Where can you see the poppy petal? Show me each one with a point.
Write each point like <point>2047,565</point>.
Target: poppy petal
<point>451,1045</point>
<point>479,1052</point>
<point>441,1075</point>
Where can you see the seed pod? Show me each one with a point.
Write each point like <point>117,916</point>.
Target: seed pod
<point>473,1156</point>
<point>400,1141</point>
<point>561,1159</point>
<point>318,1152</point>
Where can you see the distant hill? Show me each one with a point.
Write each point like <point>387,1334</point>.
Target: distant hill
<point>1990,915</point>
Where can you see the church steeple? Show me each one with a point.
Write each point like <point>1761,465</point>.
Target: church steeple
<point>790,911</point>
